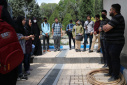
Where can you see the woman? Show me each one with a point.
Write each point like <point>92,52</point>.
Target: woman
<point>28,45</point>
<point>36,33</point>
<point>22,39</point>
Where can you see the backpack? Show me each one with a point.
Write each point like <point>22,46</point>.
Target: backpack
<point>11,54</point>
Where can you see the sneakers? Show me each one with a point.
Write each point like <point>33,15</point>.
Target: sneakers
<point>76,50</point>
<point>55,50</point>
<point>98,51</point>
<point>105,66</point>
<point>48,51</point>
<point>27,73</point>
<point>90,51</point>
<point>43,50</point>
<point>84,50</point>
<point>112,78</point>
<point>22,77</point>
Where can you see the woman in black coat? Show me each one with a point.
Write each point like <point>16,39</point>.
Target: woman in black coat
<point>36,32</point>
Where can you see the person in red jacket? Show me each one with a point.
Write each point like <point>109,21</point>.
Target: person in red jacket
<point>96,34</point>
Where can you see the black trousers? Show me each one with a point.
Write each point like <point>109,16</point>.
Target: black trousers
<point>113,58</point>
<point>103,46</point>
<point>71,37</point>
<point>44,38</point>
<point>9,78</point>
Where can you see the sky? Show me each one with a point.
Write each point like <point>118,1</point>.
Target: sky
<point>47,1</point>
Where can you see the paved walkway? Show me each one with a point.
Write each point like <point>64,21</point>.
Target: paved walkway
<point>65,73</point>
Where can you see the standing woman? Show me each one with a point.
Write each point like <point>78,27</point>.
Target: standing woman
<point>28,45</point>
<point>36,33</point>
<point>22,38</point>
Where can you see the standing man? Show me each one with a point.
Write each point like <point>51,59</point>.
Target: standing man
<point>77,30</point>
<point>89,29</point>
<point>57,33</point>
<point>104,21</point>
<point>69,33</point>
<point>45,32</point>
<point>114,41</point>
<point>96,34</point>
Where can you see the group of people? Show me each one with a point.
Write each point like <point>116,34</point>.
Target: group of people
<point>110,35</point>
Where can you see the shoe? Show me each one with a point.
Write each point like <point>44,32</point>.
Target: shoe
<point>76,50</point>
<point>105,66</point>
<point>90,51</point>
<point>70,49</point>
<point>112,78</point>
<point>27,73</point>
<point>59,50</point>
<point>79,50</point>
<point>30,69</point>
<point>55,50</point>
<point>48,51</point>
<point>84,50</point>
<point>108,74</point>
<point>22,77</point>
<point>43,50</point>
<point>98,51</point>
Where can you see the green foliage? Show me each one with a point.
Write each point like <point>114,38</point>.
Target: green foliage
<point>47,9</point>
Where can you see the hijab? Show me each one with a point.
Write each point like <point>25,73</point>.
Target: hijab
<point>20,25</point>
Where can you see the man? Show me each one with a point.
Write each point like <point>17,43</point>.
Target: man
<point>89,29</point>
<point>57,33</point>
<point>45,32</point>
<point>69,33</point>
<point>96,34</point>
<point>77,30</point>
<point>104,21</point>
<point>114,41</point>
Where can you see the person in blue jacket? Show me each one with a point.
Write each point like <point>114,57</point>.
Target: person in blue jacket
<point>45,26</point>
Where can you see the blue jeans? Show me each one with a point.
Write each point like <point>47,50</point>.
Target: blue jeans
<point>113,58</point>
<point>85,40</point>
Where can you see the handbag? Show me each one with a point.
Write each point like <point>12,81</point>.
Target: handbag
<point>78,37</point>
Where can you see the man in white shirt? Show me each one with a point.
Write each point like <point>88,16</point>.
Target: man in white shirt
<point>89,29</point>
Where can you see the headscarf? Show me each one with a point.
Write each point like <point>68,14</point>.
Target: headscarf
<point>20,25</point>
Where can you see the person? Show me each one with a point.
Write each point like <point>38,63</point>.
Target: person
<point>45,26</point>
<point>11,77</point>
<point>96,34</point>
<point>21,21</point>
<point>77,30</point>
<point>114,36</point>
<point>57,33</point>
<point>104,21</point>
<point>89,29</point>
<point>28,46</point>
<point>69,29</point>
<point>36,32</point>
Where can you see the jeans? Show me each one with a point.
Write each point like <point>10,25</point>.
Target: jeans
<point>27,61</point>
<point>57,42</point>
<point>45,37</point>
<point>103,43</point>
<point>113,58</point>
<point>85,40</point>
<point>71,37</point>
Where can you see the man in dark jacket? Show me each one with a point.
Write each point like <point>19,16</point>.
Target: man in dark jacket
<point>102,35</point>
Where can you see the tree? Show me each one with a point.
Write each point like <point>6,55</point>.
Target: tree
<point>17,6</point>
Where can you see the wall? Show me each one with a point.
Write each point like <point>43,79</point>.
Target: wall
<point>107,5</point>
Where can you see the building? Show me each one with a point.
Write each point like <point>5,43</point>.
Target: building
<point>107,5</point>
